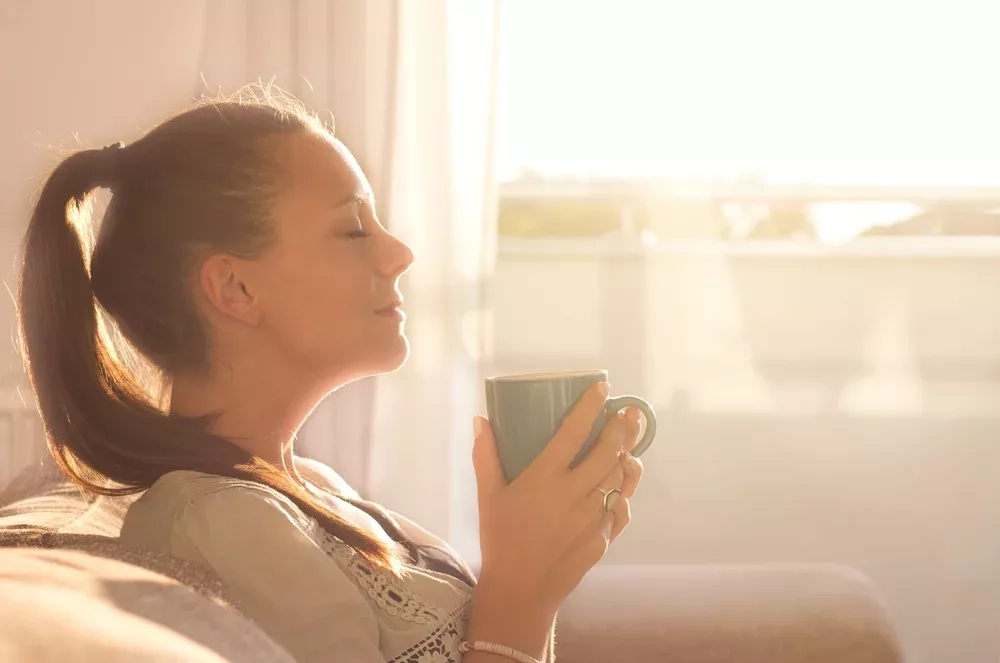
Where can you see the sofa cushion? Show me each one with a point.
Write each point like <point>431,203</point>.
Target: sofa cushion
<point>40,499</point>
<point>721,614</point>
<point>200,579</point>
<point>108,610</point>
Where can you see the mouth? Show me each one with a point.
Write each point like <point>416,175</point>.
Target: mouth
<point>393,310</point>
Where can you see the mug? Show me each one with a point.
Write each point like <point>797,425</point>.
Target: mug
<point>525,411</point>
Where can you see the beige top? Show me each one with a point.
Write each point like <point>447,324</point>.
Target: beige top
<point>311,593</point>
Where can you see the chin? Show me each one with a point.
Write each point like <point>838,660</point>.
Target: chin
<point>397,356</point>
<point>386,358</point>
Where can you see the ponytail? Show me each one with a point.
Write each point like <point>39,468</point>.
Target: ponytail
<point>104,429</point>
<point>79,388</point>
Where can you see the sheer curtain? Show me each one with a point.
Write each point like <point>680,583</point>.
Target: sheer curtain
<point>411,86</point>
<point>441,201</point>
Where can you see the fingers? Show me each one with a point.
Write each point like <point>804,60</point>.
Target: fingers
<point>634,417</point>
<point>589,509</point>
<point>600,526</point>
<point>631,474</point>
<point>560,452</point>
<point>619,435</point>
<point>619,506</point>
<point>631,466</point>
<point>624,475</point>
<point>486,459</point>
<point>596,522</point>
<point>614,479</point>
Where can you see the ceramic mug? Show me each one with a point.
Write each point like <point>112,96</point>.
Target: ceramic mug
<point>525,411</point>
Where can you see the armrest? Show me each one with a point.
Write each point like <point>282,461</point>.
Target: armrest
<point>725,614</point>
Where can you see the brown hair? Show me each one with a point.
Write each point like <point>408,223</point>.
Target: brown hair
<point>200,182</point>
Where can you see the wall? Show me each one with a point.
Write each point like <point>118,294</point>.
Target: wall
<point>74,75</point>
<point>834,405</point>
<point>80,75</point>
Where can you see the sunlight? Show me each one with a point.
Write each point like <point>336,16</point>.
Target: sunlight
<point>862,92</point>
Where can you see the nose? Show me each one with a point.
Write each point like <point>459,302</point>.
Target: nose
<point>395,256</point>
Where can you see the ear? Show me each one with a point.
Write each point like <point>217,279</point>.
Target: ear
<point>222,283</point>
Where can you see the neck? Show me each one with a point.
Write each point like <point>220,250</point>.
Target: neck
<point>260,411</point>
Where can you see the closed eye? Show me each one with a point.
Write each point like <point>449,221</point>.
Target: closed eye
<point>358,234</point>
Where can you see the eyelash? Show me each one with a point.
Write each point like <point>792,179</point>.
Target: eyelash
<point>358,234</point>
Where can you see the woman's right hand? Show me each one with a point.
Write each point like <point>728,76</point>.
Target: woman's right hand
<point>543,532</point>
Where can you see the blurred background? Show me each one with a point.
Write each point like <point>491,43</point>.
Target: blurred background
<point>777,220</point>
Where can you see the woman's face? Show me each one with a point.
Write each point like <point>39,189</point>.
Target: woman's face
<point>328,287</point>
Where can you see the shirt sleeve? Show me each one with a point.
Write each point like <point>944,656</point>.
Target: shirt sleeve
<point>259,547</point>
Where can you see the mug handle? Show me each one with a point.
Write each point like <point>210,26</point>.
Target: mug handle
<point>619,403</point>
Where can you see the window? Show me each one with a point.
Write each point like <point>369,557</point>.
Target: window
<point>761,119</point>
<point>739,207</point>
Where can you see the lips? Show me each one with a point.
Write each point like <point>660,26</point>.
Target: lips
<point>394,306</point>
<point>392,311</point>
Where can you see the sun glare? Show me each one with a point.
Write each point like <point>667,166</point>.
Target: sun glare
<point>846,91</point>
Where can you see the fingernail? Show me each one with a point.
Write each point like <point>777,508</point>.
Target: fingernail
<point>477,426</point>
<point>631,464</point>
<point>603,388</point>
<point>607,524</point>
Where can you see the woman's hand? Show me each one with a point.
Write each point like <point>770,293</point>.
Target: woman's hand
<point>545,530</point>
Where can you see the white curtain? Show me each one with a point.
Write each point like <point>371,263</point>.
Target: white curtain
<point>441,200</point>
<point>411,86</point>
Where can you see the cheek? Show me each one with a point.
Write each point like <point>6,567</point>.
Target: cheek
<point>322,309</point>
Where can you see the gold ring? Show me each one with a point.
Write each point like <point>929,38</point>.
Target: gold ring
<point>607,496</point>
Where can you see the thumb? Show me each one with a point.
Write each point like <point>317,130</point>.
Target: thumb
<point>485,459</point>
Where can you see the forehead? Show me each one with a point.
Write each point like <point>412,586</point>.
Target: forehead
<point>320,166</point>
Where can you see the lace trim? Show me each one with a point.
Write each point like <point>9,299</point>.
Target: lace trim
<point>441,644</point>
<point>384,589</point>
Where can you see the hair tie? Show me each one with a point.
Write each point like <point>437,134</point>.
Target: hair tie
<point>112,168</point>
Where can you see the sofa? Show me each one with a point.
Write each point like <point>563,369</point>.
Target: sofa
<point>70,591</point>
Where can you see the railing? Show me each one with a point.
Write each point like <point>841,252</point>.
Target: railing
<point>767,319</point>
<point>617,189</point>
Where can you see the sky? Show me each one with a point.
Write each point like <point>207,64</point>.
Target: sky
<point>841,91</point>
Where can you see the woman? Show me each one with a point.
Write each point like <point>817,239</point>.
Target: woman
<point>241,261</point>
